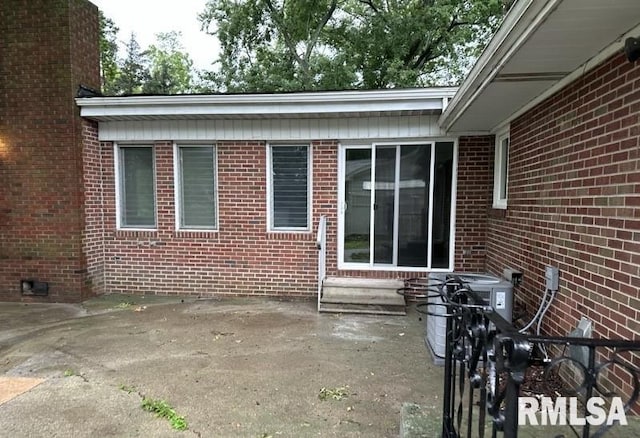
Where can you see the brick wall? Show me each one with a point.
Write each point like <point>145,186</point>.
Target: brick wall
<point>241,258</point>
<point>47,48</point>
<point>574,203</point>
<point>93,238</point>
<point>475,182</point>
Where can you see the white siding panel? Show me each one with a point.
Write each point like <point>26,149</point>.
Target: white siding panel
<point>272,129</point>
<point>202,130</point>
<point>343,128</point>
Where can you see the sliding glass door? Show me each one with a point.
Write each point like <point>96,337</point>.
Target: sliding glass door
<point>396,205</point>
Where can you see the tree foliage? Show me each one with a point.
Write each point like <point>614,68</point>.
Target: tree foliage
<point>169,66</point>
<point>285,45</point>
<point>163,68</point>
<point>133,72</point>
<point>108,53</point>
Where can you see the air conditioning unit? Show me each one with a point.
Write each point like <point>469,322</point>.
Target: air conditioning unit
<point>496,292</point>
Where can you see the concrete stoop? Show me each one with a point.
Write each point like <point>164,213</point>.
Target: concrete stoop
<point>362,295</point>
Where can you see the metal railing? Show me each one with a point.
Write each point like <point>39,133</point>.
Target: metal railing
<point>487,361</point>
<point>321,244</point>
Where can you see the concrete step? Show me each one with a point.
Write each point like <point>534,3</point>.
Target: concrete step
<point>362,295</point>
<point>367,309</point>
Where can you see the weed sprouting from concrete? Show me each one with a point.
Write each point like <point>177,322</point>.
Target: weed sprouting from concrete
<point>69,372</point>
<point>127,388</point>
<point>124,305</point>
<point>334,393</point>
<point>163,409</point>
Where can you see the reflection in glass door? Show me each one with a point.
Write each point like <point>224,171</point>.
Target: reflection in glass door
<point>356,205</point>
<point>384,195</point>
<point>413,220</point>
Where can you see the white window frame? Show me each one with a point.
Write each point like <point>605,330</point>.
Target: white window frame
<point>119,187</point>
<point>501,170</point>
<point>270,214</point>
<point>177,178</point>
<point>342,265</point>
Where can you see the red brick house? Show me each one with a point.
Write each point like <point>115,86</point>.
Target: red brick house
<point>533,161</point>
<point>268,167</point>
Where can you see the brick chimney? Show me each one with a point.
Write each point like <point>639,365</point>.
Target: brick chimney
<point>47,48</point>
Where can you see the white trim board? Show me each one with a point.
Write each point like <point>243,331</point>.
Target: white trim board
<point>273,130</point>
<point>330,103</point>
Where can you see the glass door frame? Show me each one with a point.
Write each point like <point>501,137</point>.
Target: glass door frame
<point>341,207</point>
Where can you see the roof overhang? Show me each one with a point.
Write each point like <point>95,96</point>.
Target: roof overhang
<point>425,101</point>
<point>541,46</point>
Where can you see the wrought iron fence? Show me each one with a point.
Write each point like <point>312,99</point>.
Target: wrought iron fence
<point>488,359</point>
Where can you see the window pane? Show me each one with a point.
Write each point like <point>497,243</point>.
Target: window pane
<point>384,203</point>
<point>197,171</point>
<point>357,192</point>
<point>504,167</point>
<point>289,170</point>
<point>413,224</point>
<point>442,189</point>
<point>138,207</point>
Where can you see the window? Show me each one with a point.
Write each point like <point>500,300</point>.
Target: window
<point>196,188</point>
<point>397,205</point>
<point>501,171</point>
<point>136,192</point>
<point>289,200</point>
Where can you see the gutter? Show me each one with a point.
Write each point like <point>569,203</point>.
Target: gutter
<point>418,99</point>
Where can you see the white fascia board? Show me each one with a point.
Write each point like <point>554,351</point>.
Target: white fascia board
<point>524,17</point>
<point>266,104</point>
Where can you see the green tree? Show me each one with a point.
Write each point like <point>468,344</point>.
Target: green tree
<point>133,72</point>
<point>170,67</point>
<point>282,45</point>
<point>109,69</point>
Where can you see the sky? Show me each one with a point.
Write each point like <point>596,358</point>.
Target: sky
<point>148,17</point>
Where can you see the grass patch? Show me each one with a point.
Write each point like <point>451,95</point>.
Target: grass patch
<point>334,393</point>
<point>163,409</point>
<point>69,372</point>
<point>124,305</point>
<point>356,241</point>
<point>359,256</point>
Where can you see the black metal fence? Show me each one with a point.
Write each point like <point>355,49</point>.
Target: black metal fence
<point>488,360</point>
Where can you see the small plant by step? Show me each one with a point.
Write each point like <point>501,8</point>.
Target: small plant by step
<point>163,409</point>
<point>124,305</point>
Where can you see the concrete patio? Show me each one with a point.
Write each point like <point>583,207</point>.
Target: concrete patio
<point>246,367</point>
<point>243,367</point>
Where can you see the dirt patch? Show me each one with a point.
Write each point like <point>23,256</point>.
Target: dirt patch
<point>536,382</point>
